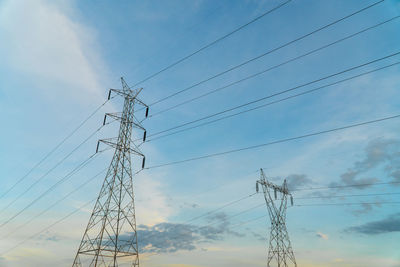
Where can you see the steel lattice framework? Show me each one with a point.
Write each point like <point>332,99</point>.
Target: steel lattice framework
<point>110,238</point>
<point>280,251</point>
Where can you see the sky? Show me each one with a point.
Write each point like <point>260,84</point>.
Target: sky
<point>60,58</point>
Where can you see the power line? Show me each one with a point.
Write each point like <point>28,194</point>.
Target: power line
<point>354,195</point>
<point>349,204</point>
<point>62,180</point>
<point>220,208</point>
<point>311,197</point>
<point>344,186</point>
<point>260,205</point>
<point>300,205</point>
<point>51,169</point>
<point>234,215</point>
<point>54,204</point>
<point>237,214</point>
<point>266,53</point>
<point>53,150</point>
<point>283,92</point>
<point>276,142</point>
<point>322,204</point>
<point>211,44</point>
<point>274,67</point>
<point>318,204</point>
<point>50,226</point>
<point>260,106</point>
<point>248,221</point>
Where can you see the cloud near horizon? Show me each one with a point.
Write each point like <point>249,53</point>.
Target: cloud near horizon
<point>378,152</point>
<point>388,225</point>
<point>172,237</point>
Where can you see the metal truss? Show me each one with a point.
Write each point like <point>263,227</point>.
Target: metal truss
<point>280,252</point>
<point>110,239</point>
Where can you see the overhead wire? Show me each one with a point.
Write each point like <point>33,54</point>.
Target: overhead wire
<point>215,210</point>
<point>349,204</point>
<point>220,208</point>
<point>236,214</point>
<point>81,186</point>
<point>263,204</point>
<point>322,204</point>
<point>51,169</point>
<point>346,186</point>
<point>212,43</point>
<point>301,205</point>
<point>353,195</point>
<point>267,53</point>
<point>50,189</point>
<point>280,93</point>
<point>273,67</point>
<point>319,204</point>
<point>232,216</point>
<point>54,149</point>
<point>276,142</point>
<point>48,227</point>
<point>248,221</point>
<point>260,205</point>
<point>273,102</point>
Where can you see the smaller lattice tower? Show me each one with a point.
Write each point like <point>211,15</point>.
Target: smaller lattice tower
<point>280,252</point>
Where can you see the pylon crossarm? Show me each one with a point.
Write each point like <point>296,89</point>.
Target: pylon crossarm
<point>128,93</point>
<point>138,101</point>
<point>117,116</point>
<point>135,151</point>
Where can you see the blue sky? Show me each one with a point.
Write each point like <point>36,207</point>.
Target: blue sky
<point>59,58</point>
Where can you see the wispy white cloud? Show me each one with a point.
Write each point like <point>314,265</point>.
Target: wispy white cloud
<point>49,48</point>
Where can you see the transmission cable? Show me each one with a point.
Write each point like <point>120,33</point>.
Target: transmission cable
<point>311,197</point>
<point>251,220</point>
<point>266,53</point>
<point>273,67</point>
<point>237,214</point>
<point>220,208</point>
<point>263,204</point>
<point>54,149</point>
<point>322,204</point>
<point>273,102</point>
<point>271,96</point>
<point>54,204</point>
<point>301,205</point>
<point>50,226</point>
<point>348,204</point>
<point>344,186</point>
<point>62,180</point>
<point>354,195</point>
<point>52,168</point>
<point>211,44</point>
<point>275,142</point>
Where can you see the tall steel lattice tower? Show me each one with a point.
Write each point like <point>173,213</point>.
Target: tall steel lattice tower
<point>110,238</point>
<point>280,251</point>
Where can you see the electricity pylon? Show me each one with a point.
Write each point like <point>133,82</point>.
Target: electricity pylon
<point>280,252</point>
<point>110,239</point>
